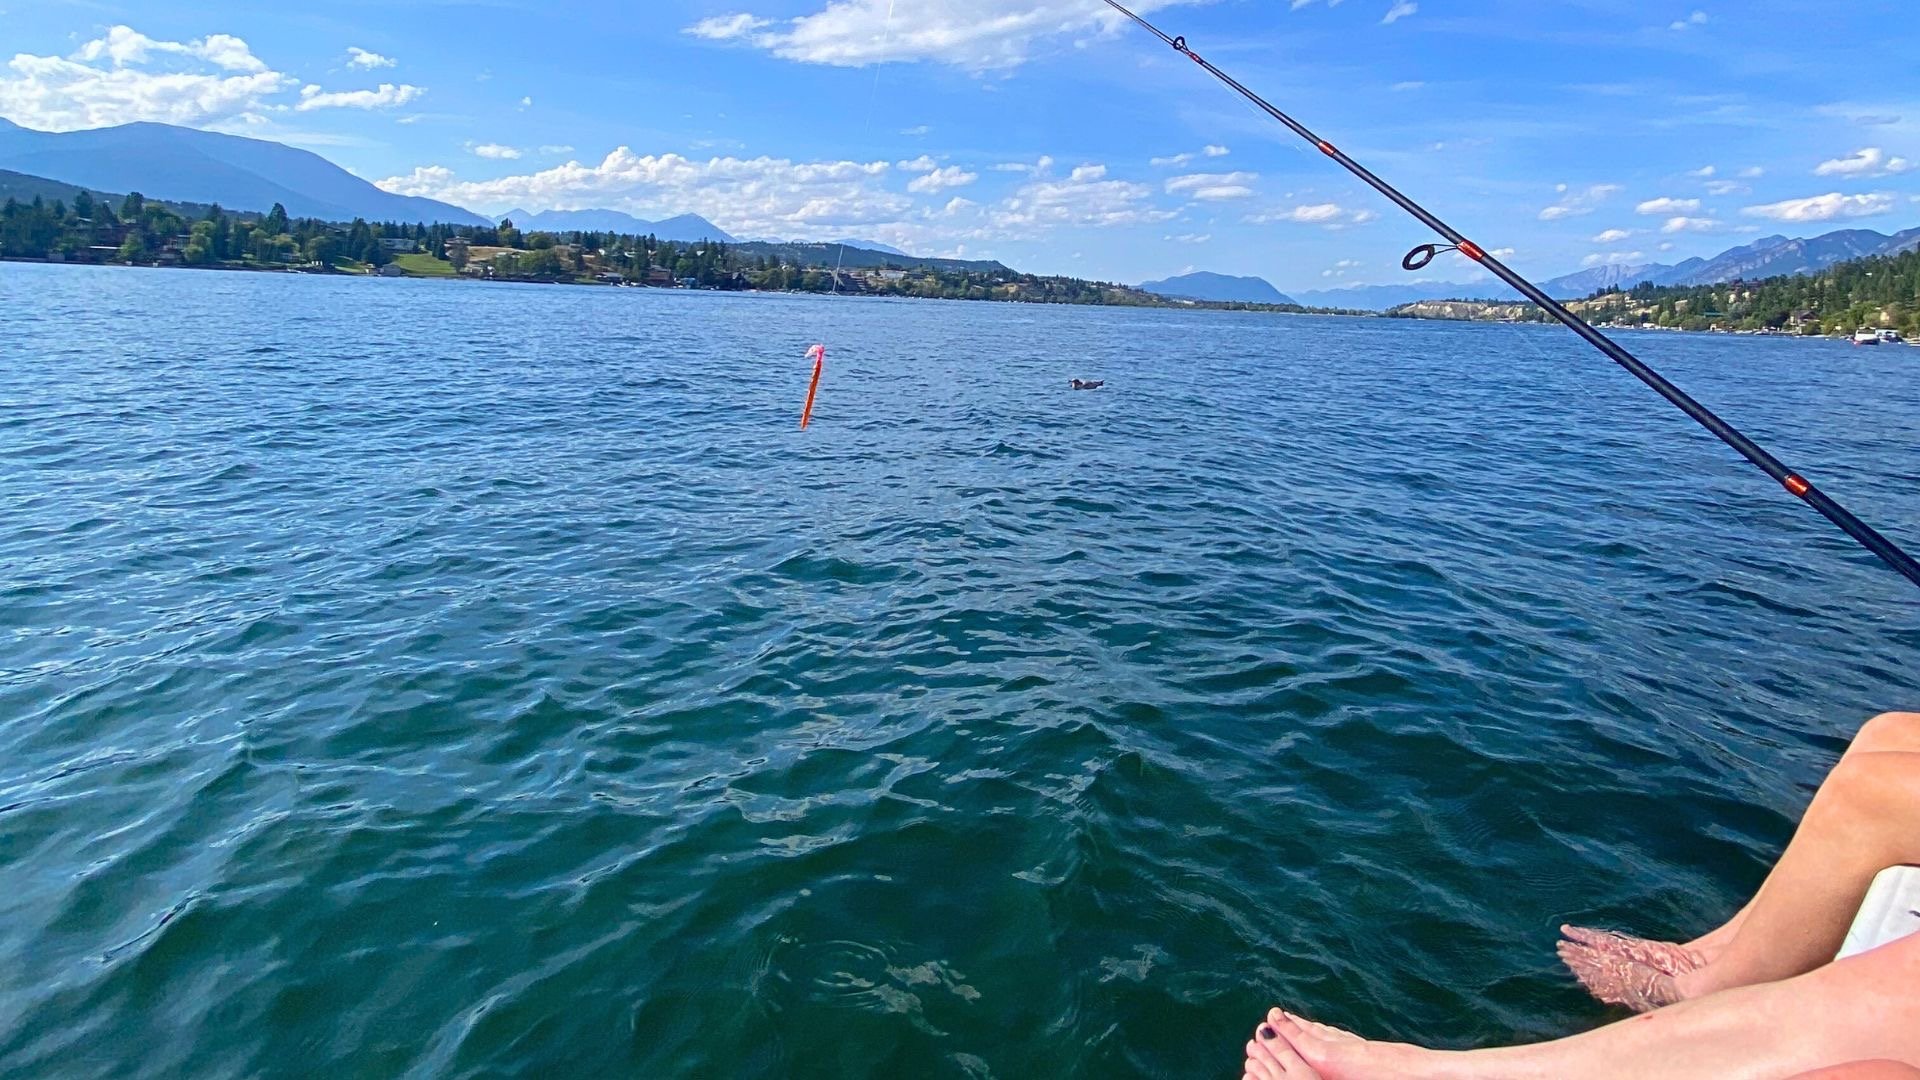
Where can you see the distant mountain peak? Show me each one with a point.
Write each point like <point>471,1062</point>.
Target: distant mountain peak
<point>873,245</point>
<point>188,165</point>
<point>1218,288</point>
<point>684,228</point>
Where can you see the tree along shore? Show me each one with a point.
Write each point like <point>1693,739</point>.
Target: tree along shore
<point>152,233</point>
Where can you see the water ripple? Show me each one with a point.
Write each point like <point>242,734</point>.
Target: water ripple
<point>523,694</point>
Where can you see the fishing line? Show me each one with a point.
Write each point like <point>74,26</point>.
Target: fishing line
<point>1419,257</point>
<point>818,354</point>
<point>873,99</point>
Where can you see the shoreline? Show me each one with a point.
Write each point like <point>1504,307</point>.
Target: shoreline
<point>1169,306</point>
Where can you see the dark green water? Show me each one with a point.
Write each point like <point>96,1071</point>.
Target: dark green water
<point>409,679</point>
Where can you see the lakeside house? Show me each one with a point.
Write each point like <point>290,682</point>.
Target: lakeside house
<point>400,245</point>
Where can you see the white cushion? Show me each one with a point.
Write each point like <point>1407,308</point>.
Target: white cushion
<point>1890,912</point>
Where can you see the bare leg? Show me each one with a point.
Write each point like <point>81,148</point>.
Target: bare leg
<point>1808,901</point>
<point>1865,1070</point>
<point>1857,1010</point>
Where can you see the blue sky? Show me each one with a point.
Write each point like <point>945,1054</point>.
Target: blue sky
<point>1041,133</point>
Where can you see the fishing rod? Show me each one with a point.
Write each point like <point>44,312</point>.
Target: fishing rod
<point>1419,257</point>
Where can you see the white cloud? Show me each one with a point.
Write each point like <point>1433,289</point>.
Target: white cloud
<point>1086,198</point>
<point>1705,172</point>
<point>1869,162</point>
<point>1040,166</point>
<point>1612,236</point>
<point>1579,203</point>
<point>1189,238</point>
<point>556,149</point>
<point>921,164</point>
<point>1328,215</point>
<point>727,27</point>
<point>361,58</point>
<point>764,196</point>
<point>1667,205</point>
<point>1698,18</point>
<point>494,151</point>
<point>1752,172</point>
<point>916,131</point>
<point>1826,207</point>
<point>977,35</point>
<point>1400,10</point>
<point>953,176</point>
<point>1312,214</point>
<point>1727,187</point>
<point>424,179</point>
<point>126,46</point>
<point>1613,258</point>
<point>1213,187</point>
<point>1181,160</point>
<point>388,96</point>
<point>1689,224</point>
<point>526,103</point>
<point>1405,87</point>
<point>103,84</point>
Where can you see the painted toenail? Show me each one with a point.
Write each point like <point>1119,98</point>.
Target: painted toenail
<point>1266,1032</point>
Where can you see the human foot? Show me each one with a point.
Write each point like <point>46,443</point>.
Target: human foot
<point>1618,980</point>
<point>1664,956</point>
<point>1328,1053</point>
<point>1270,1057</point>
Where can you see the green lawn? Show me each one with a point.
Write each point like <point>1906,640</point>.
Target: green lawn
<point>424,266</point>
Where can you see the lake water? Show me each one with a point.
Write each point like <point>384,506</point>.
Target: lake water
<point>430,679</point>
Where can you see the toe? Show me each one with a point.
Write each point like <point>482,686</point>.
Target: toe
<point>1292,1065</point>
<point>1263,1054</point>
<point>1260,1064</point>
<point>1295,1034</point>
<point>1588,936</point>
<point>1577,957</point>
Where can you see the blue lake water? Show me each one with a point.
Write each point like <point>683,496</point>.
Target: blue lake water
<point>435,679</point>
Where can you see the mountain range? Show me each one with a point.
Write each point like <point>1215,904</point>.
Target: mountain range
<point>187,165</point>
<point>1771,256</point>
<point>1218,288</point>
<point>687,228</point>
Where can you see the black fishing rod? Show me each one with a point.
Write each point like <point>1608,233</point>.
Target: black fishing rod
<point>1419,257</point>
